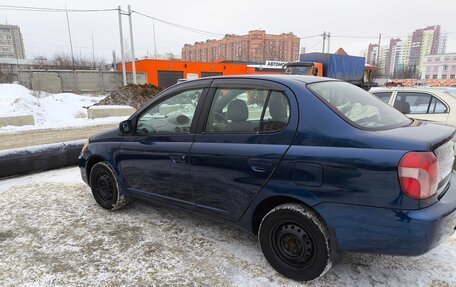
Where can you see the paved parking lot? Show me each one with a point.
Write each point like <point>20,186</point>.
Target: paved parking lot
<point>52,233</point>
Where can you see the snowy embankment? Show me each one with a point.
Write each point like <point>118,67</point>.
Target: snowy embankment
<point>49,110</point>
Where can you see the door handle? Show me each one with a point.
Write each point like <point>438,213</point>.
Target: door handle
<point>178,158</point>
<point>259,165</point>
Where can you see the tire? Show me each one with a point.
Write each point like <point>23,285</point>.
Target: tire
<point>105,187</point>
<point>295,242</point>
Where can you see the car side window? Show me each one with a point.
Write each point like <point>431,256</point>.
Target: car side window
<point>384,96</point>
<point>277,113</point>
<point>437,107</point>
<point>247,111</point>
<point>172,115</point>
<point>418,103</point>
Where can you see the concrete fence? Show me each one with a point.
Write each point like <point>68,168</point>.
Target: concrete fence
<point>80,81</point>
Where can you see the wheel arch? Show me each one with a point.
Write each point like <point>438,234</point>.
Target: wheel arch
<point>90,163</point>
<point>269,203</point>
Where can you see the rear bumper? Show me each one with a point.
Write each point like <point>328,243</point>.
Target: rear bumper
<point>392,231</point>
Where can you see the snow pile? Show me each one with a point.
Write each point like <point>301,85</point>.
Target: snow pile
<point>131,95</point>
<point>49,110</point>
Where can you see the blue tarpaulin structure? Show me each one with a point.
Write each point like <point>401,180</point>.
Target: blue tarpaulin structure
<point>342,67</point>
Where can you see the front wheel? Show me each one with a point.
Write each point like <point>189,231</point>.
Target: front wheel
<point>105,187</point>
<point>295,242</point>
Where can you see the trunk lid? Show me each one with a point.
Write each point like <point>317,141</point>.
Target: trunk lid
<point>422,136</point>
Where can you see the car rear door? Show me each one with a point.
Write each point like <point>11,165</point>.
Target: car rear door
<point>421,106</point>
<point>234,153</point>
<point>153,159</point>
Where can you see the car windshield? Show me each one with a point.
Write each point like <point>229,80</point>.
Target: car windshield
<point>297,70</point>
<point>358,106</point>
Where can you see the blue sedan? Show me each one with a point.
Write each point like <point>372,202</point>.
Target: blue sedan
<point>313,166</point>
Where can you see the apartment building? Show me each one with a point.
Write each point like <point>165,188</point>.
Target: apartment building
<point>439,67</point>
<point>11,43</point>
<point>407,55</point>
<point>256,46</point>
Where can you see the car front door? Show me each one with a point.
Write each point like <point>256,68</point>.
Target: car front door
<point>154,158</point>
<point>245,129</point>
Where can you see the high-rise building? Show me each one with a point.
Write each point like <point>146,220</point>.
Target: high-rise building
<point>390,57</point>
<point>442,43</point>
<point>382,60</point>
<point>407,55</point>
<point>11,43</point>
<point>377,57</point>
<point>256,46</point>
<point>399,57</point>
<point>372,54</point>
<point>424,42</point>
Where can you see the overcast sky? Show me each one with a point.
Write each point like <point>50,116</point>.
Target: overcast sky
<point>46,33</point>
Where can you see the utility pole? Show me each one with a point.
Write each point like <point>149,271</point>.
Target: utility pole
<point>114,60</point>
<point>124,72</point>
<point>378,53</point>
<point>69,34</point>
<point>155,40</point>
<point>133,63</point>
<point>324,41</point>
<point>93,52</point>
<point>329,40</point>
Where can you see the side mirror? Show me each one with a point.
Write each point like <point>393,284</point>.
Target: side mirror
<point>126,126</point>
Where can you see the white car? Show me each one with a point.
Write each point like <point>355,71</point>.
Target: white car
<point>430,104</point>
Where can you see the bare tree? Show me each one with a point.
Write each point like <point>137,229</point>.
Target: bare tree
<point>64,61</point>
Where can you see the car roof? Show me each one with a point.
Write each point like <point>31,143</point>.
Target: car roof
<point>280,78</point>
<point>444,91</point>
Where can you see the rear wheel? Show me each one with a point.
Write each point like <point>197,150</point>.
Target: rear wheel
<point>105,187</point>
<point>295,242</point>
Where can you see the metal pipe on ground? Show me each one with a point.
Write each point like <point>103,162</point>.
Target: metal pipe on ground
<point>39,158</point>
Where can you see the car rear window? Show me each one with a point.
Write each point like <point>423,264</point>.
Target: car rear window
<point>357,106</point>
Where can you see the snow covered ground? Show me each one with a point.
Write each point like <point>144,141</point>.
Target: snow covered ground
<point>52,233</point>
<point>49,110</point>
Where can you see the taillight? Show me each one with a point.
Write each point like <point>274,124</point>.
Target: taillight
<point>419,174</point>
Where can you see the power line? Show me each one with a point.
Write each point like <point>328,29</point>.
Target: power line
<point>179,26</point>
<point>313,36</point>
<point>313,46</point>
<point>47,9</point>
<point>376,37</point>
<point>365,37</point>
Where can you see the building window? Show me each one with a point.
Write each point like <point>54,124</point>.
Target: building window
<point>445,68</point>
<point>452,76</point>
<point>429,59</point>
<point>426,77</point>
<point>444,77</point>
<point>447,58</point>
<point>454,58</point>
<point>434,76</point>
<point>437,59</point>
<point>453,68</point>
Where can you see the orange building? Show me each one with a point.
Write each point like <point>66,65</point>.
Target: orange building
<point>164,73</point>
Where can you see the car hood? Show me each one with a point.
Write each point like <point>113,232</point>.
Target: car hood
<point>109,135</point>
